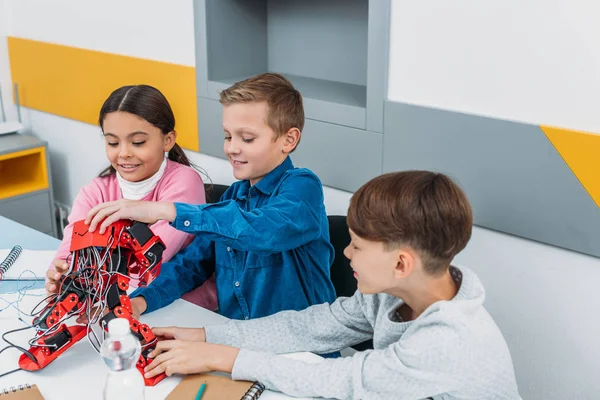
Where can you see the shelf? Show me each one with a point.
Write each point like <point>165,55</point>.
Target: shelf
<point>312,88</point>
<point>321,46</point>
<point>335,102</point>
<point>23,172</point>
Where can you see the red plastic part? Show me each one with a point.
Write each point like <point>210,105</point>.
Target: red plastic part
<point>116,236</point>
<point>43,354</point>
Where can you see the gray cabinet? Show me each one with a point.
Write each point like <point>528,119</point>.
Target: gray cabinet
<point>335,54</point>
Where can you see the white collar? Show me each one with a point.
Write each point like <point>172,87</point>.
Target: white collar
<point>139,190</point>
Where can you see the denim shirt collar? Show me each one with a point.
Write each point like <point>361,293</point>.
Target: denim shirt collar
<point>268,183</point>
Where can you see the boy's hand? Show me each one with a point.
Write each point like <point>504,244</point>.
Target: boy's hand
<point>138,306</point>
<point>184,357</point>
<point>53,276</point>
<point>143,211</point>
<point>176,333</point>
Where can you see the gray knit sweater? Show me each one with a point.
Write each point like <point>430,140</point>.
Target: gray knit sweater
<point>453,350</point>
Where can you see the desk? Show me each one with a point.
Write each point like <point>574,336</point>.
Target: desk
<point>80,371</point>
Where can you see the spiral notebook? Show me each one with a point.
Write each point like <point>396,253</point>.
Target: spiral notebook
<point>21,392</point>
<point>217,388</point>
<point>18,263</point>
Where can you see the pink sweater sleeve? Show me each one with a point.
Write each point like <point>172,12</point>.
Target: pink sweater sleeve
<point>182,186</point>
<point>88,197</point>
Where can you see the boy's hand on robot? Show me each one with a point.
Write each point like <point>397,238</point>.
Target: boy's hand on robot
<point>103,215</point>
<point>177,333</point>
<point>84,320</point>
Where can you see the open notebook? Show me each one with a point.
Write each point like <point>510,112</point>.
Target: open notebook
<point>26,264</point>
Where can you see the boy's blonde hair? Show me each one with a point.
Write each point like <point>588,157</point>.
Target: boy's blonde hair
<point>284,102</point>
<point>424,210</point>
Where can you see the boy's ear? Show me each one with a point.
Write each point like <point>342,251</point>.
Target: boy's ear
<point>169,141</point>
<point>405,263</point>
<point>290,140</point>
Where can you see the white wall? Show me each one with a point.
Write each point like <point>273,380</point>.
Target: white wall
<point>533,61</point>
<point>5,81</point>
<point>456,55</point>
<point>153,29</point>
<point>545,300</point>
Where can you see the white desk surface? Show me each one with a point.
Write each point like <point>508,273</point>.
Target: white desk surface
<point>80,372</point>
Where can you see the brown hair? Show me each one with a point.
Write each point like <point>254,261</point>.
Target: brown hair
<point>284,102</point>
<point>149,104</point>
<point>424,210</point>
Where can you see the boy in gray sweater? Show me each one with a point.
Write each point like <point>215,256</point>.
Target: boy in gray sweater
<point>432,336</point>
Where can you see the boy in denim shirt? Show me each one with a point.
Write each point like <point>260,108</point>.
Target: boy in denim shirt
<point>267,240</point>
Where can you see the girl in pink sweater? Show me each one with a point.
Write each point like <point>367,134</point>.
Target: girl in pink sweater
<point>139,130</point>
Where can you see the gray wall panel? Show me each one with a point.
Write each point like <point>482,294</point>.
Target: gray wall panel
<point>210,127</point>
<point>377,63</point>
<point>515,179</point>
<point>344,158</point>
<point>200,48</point>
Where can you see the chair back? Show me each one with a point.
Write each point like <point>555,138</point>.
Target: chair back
<point>214,191</point>
<point>341,272</point>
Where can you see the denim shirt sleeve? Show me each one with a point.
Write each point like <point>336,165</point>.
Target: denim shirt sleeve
<point>289,220</point>
<point>189,268</point>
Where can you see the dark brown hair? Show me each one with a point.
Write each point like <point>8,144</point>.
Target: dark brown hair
<point>424,210</point>
<point>149,104</point>
<point>284,102</point>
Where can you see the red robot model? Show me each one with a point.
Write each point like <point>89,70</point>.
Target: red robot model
<point>95,285</point>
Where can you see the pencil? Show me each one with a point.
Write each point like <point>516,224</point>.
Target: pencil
<point>200,391</point>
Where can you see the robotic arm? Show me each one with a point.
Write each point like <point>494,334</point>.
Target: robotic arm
<point>96,285</point>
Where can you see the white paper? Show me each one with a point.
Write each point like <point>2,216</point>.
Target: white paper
<point>30,265</point>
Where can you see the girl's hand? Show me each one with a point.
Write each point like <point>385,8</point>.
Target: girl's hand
<point>143,211</point>
<point>185,357</point>
<point>53,277</point>
<point>177,333</point>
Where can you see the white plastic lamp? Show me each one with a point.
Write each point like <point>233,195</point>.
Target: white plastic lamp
<point>7,127</point>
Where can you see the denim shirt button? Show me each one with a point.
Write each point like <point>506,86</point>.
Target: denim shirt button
<point>186,223</point>
<point>246,317</point>
<point>229,249</point>
<point>237,284</point>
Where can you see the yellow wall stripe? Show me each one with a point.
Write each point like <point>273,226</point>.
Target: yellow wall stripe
<point>580,150</point>
<point>73,82</point>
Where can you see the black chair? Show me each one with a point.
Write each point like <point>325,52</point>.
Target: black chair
<point>341,272</point>
<point>214,191</point>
